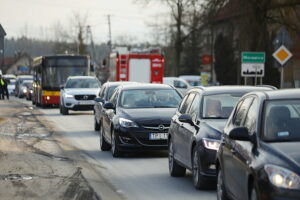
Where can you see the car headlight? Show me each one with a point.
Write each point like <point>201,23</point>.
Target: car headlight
<point>127,123</point>
<point>211,143</point>
<point>69,96</point>
<point>282,177</point>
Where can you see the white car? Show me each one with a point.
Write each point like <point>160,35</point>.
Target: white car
<point>78,93</point>
<point>193,80</point>
<point>180,84</point>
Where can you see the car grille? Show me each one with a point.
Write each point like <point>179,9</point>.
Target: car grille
<point>85,97</point>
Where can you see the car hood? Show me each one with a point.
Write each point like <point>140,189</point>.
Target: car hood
<point>217,124</point>
<point>82,91</point>
<point>149,116</point>
<point>290,149</point>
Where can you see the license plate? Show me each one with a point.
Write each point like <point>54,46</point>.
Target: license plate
<point>158,136</point>
<point>85,102</point>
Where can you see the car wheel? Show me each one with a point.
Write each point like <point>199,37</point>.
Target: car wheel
<point>174,168</point>
<point>64,110</point>
<point>96,125</point>
<point>221,192</point>
<point>104,146</point>
<point>114,146</point>
<point>253,193</point>
<point>198,180</point>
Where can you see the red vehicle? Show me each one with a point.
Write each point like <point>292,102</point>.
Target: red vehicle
<point>147,67</point>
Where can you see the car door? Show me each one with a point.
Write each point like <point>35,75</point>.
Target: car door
<point>99,105</point>
<point>107,114</point>
<point>229,150</point>
<point>190,130</point>
<point>179,135</point>
<point>243,152</point>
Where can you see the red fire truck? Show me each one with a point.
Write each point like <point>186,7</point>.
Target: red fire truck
<point>145,66</point>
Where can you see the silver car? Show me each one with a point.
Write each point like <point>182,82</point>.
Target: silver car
<point>78,93</point>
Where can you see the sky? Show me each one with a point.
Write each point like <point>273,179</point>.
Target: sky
<point>37,18</point>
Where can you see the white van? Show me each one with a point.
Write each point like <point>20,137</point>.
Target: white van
<point>180,84</point>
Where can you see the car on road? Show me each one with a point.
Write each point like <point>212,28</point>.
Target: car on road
<point>196,128</point>
<point>24,88</point>
<point>104,95</point>
<point>138,117</point>
<point>19,88</point>
<point>259,155</point>
<point>29,92</point>
<point>78,93</point>
<point>180,84</point>
<point>11,80</point>
<point>193,80</point>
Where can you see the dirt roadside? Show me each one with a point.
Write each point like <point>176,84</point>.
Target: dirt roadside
<point>36,164</point>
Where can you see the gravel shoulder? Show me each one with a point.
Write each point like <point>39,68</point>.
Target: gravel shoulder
<point>36,163</point>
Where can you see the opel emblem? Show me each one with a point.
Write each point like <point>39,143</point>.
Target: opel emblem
<point>161,127</point>
<point>85,97</point>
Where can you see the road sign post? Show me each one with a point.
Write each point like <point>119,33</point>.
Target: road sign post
<point>253,65</point>
<point>282,55</point>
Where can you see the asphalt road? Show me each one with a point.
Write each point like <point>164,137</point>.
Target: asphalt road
<point>135,176</point>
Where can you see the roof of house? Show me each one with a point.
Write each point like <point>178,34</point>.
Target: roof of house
<point>2,31</point>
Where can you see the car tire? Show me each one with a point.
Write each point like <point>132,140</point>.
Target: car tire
<point>198,179</point>
<point>175,169</point>
<point>64,110</point>
<point>104,146</point>
<point>221,191</point>
<point>96,125</point>
<point>253,194</point>
<point>114,146</point>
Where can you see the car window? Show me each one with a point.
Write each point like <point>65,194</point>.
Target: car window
<point>195,108</point>
<point>150,98</point>
<point>281,120</point>
<point>114,97</point>
<point>179,84</point>
<point>83,83</point>
<point>242,111</point>
<point>250,121</point>
<point>101,93</point>
<point>109,92</point>
<point>186,104</point>
<point>219,106</point>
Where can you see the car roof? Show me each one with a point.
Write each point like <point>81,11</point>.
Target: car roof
<point>117,83</point>
<point>145,86</point>
<point>231,89</point>
<point>81,77</point>
<point>282,94</point>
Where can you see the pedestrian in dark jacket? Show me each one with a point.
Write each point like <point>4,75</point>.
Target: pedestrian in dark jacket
<point>2,83</point>
<point>4,89</point>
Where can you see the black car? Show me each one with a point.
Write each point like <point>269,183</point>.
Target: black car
<point>195,132</point>
<point>259,157</point>
<point>104,95</point>
<point>138,118</point>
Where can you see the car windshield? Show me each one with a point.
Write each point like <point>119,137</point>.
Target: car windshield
<point>194,83</point>
<point>150,98</point>
<point>27,84</point>
<point>282,121</point>
<point>219,106</point>
<point>82,83</point>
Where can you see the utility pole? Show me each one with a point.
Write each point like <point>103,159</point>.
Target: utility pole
<point>109,33</point>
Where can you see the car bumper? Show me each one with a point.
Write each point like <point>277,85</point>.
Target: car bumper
<point>269,192</point>
<point>73,104</point>
<point>208,163</point>
<point>136,139</point>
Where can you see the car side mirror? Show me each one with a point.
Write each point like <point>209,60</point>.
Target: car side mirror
<point>99,100</point>
<point>185,118</point>
<point>240,133</point>
<point>109,105</point>
<point>61,87</point>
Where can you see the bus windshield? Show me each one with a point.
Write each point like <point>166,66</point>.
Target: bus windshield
<point>57,70</point>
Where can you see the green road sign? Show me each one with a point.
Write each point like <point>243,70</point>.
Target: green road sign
<point>253,57</point>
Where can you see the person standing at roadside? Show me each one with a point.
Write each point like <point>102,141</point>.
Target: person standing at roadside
<point>2,83</point>
<point>4,89</point>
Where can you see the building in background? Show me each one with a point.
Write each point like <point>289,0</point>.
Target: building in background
<point>2,35</point>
